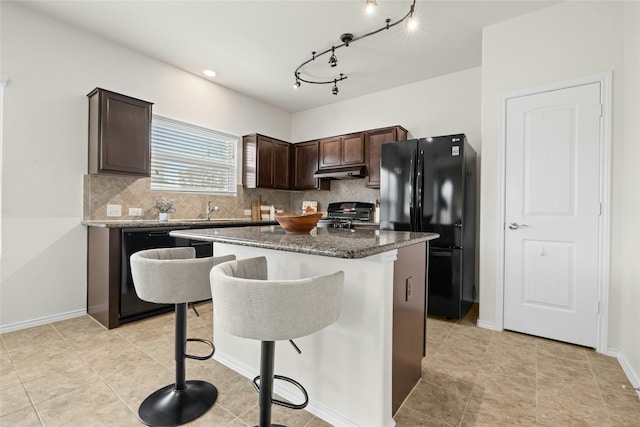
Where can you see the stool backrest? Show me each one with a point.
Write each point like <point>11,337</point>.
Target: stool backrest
<point>172,275</point>
<point>249,306</point>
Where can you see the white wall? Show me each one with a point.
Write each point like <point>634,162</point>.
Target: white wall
<point>629,275</point>
<point>440,106</point>
<point>569,40</point>
<point>51,67</point>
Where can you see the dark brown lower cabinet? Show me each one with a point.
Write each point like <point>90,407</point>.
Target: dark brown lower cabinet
<point>111,297</point>
<point>409,321</point>
<point>103,275</point>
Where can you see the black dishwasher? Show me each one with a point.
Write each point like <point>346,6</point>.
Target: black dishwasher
<point>134,240</point>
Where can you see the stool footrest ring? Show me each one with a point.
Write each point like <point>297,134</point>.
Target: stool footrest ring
<point>280,402</point>
<point>207,357</point>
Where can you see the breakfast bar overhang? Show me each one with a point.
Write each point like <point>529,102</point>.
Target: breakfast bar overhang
<point>358,370</point>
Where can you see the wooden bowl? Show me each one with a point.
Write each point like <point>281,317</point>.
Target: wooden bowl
<point>298,224</point>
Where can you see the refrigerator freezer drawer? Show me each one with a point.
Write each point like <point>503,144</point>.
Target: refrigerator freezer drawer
<point>445,284</point>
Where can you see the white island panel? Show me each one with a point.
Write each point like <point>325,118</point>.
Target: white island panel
<point>346,367</point>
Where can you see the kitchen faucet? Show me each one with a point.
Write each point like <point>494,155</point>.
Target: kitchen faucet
<point>209,210</point>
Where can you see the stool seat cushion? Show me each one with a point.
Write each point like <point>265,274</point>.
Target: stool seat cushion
<point>172,275</point>
<point>249,306</point>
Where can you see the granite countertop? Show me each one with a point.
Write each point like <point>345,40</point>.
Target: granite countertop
<point>142,223</point>
<point>332,242</point>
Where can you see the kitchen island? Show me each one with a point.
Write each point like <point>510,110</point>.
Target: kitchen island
<point>359,370</point>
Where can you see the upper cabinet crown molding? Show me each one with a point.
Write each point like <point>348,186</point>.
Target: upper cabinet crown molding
<point>119,134</point>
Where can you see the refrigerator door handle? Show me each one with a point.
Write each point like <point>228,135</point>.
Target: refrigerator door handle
<point>419,191</point>
<point>412,196</point>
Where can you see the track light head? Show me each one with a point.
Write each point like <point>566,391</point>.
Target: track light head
<point>333,61</point>
<point>296,85</point>
<point>335,87</point>
<point>412,24</point>
<point>370,6</point>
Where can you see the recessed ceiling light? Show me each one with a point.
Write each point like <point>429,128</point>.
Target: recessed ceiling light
<point>209,73</point>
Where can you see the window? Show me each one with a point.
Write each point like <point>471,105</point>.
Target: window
<point>192,159</point>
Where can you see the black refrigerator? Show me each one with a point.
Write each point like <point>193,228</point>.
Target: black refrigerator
<point>429,184</point>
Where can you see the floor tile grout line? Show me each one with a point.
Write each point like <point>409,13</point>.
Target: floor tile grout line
<point>135,413</point>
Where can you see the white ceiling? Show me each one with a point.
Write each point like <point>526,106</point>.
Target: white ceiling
<point>255,46</point>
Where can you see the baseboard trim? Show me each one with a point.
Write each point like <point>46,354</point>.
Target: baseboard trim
<point>633,377</point>
<point>487,325</point>
<point>42,321</point>
<point>314,408</point>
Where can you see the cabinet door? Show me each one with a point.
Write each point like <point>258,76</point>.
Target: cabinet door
<point>330,152</point>
<point>353,149</point>
<point>281,165</point>
<point>374,141</point>
<point>249,160</point>
<point>264,172</point>
<point>305,157</point>
<point>119,134</point>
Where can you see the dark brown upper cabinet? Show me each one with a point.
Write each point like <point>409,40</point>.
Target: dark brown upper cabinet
<point>267,162</point>
<point>373,143</point>
<point>342,150</point>
<point>119,134</point>
<point>305,160</point>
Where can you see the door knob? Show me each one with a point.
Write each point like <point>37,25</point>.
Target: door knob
<point>515,225</point>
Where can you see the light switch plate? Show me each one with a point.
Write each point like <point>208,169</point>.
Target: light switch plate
<point>135,211</point>
<point>114,210</point>
<point>247,212</point>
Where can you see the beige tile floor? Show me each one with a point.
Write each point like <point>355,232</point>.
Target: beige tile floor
<point>76,373</point>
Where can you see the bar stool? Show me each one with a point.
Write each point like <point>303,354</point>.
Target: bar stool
<point>176,276</point>
<point>248,305</point>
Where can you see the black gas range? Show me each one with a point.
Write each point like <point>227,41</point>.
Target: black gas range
<point>347,215</point>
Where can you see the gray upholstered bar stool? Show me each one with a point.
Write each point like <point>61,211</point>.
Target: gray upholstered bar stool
<point>176,276</point>
<point>250,306</point>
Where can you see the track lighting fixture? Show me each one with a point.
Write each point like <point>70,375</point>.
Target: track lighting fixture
<point>347,39</point>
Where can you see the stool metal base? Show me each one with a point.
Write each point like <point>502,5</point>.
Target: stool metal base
<point>168,407</point>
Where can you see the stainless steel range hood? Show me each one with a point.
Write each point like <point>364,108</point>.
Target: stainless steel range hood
<point>345,172</point>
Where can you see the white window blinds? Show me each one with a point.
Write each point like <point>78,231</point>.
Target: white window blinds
<point>192,159</point>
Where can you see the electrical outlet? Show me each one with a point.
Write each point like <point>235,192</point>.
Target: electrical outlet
<point>247,212</point>
<point>409,288</point>
<point>135,211</point>
<point>114,210</point>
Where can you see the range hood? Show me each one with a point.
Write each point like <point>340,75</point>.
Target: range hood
<point>345,172</point>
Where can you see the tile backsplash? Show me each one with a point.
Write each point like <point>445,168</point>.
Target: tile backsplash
<point>346,190</point>
<point>132,192</point>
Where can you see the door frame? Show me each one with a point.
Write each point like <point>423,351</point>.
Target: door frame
<point>604,233</point>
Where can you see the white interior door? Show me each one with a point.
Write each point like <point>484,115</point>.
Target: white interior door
<point>552,206</point>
